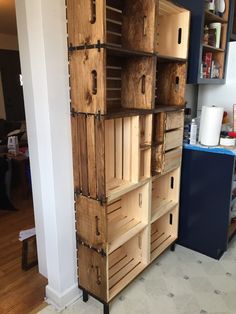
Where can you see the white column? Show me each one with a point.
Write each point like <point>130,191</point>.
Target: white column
<point>43,52</point>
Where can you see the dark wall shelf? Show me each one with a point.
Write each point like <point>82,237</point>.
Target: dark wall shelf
<point>197,50</point>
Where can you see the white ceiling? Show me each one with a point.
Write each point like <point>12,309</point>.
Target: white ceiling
<point>8,17</point>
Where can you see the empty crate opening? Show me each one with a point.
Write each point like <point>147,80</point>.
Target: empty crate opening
<point>129,82</point>
<point>165,193</point>
<point>114,11</point>
<point>121,152</point>
<point>173,30</point>
<point>127,216</point>
<point>125,263</point>
<point>164,232</point>
<point>170,83</point>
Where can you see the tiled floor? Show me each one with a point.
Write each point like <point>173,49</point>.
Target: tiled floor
<point>183,282</point>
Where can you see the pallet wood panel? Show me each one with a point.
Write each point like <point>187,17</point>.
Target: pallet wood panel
<point>170,84</point>
<point>174,120</point>
<point>127,24</point>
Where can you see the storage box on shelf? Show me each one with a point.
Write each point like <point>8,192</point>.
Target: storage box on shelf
<point>113,79</point>
<point>203,43</point>
<point>127,24</point>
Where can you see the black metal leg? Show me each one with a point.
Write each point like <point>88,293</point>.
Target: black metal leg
<point>172,248</point>
<point>106,308</point>
<point>85,296</point>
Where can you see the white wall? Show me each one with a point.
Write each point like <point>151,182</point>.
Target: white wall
<point>9,42</point>
<point>43,54</point>
<point>2,104</point>
<point>222,95</point>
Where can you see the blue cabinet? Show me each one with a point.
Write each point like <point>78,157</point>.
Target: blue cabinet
<point>206,199</point>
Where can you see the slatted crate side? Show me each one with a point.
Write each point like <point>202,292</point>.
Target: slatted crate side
<point>138,83</point>
<point>164,232</point>
<point>127,216</point>
<point>172,159</point>
<point>139,25</point>
<point>159,125</point>
<point>171,84</point>
<point>91,223</point>
<point>87,80</point>
<point>127,262</point>
<point>173,139</point>
<point>121,153</point>
<point>86,22</point>
<point>173,30</point>
<point>114,68</point>
<point>174,120</point>
<point>165,193</point>
<point>88,143</point>
<point>93,272</point>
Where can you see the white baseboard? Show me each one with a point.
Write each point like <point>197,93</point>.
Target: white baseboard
<point>61,301</point>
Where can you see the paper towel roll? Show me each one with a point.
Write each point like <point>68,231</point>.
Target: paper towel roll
<point>210,125</point>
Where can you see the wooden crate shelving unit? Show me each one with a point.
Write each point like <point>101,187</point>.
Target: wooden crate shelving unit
<point>127,99</point>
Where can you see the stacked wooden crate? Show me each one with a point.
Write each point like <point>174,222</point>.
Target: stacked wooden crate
<point>127,63</point>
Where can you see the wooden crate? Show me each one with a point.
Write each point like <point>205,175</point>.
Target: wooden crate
<point>105,227</point>
<point>129,24</point>
<point>106,276</point>
<point>164,232</point>
<point>167,141</point>
<point>165,194</point>
<point>173,30</point>
<point>111,81</point>
<point>170,83</point>
<point>110,156</point>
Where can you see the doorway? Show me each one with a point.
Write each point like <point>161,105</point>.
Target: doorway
<point>21,291</point>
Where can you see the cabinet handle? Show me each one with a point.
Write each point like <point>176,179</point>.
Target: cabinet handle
<point>99,278</point>
<point>94,82</point>
<point>179,35</point>
<point>144,25</point>
<point>92,19</point>
<point>143,84</point>
<point>97,229</point>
